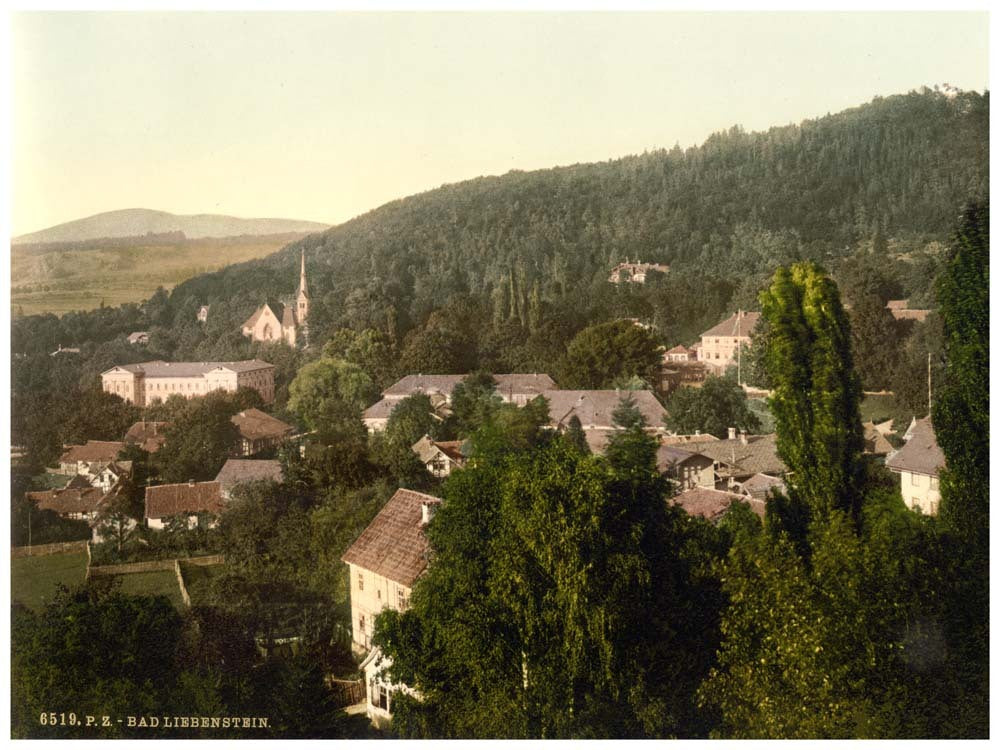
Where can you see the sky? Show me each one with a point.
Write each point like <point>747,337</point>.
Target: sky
<point>324,116</point>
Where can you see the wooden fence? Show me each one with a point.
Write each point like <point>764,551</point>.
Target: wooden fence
<point>347,692</point>
<point>149,565</point>
<point>49,549</point>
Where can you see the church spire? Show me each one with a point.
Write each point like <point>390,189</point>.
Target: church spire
<point>303,288</point>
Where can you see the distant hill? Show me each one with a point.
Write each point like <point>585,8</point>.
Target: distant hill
<point>136,222</point>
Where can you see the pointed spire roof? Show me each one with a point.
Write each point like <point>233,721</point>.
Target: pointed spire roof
<point>303,287</point>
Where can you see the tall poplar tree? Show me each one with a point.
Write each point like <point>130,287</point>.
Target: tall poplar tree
<point>817,394</point>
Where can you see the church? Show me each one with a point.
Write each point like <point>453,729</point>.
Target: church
<point>287,322</point>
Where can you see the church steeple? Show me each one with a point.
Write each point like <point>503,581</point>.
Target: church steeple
<point>302,298</point>
<point>303,287</point>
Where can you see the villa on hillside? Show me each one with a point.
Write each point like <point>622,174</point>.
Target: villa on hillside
<point>635,271</point>
<point>720,344</point>
<point>150,382</point>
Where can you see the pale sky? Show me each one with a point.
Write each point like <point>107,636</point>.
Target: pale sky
<point>324,116</point>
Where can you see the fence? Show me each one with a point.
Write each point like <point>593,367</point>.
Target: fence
<point>149,565</point>
<point>55,548</point>
<point>347,692</point>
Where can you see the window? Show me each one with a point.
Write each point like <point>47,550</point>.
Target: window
<point>361,582</point>
<point>934,483</point>
<point>401,601</point>
<point>378,593</point>
<point>361,624</point>
<point>914,480</point>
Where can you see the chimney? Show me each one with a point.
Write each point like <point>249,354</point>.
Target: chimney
<point>426,513</point>
<point>732,433</point>
<point>743,437</point>
<point>190,483</point>
<point>697,432</point>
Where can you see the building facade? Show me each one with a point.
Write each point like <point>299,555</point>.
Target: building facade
<point>288,324</point>
<point>720,344</point>
<point>918,464</point>
<point>151,382</point>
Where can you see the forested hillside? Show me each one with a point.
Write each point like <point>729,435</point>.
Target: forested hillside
<point>886,177</point>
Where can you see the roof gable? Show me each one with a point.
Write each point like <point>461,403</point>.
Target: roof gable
<point>394,544</point>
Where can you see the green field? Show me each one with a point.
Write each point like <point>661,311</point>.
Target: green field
<point>153,583</point>
<point>198,579</point>
<point>33,580</point>
<point>60,281</point>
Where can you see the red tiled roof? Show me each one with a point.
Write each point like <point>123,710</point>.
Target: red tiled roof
<point>394,545</point>
<point>93,450</point>
<point>713,504</point>
<point>188,498</point>
<point>68,501</point>
<point>147,435</point>
<point>253,424</point>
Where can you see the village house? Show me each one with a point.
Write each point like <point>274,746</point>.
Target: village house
<point>203,313</point>
<point>720,344</point>
<point>875,437</point>
<point>512,388</point>
<point>270,325</point>
<point>147,435</point>
<point>635,271</point>
<point>440,458</point>
<point>78,459</point>
<point>200,502</point>
<point>918,464</point>
<point>738,458</point>
<point>79,504</point>
<point>65,350</point>
<point>712,504</point>
<point>688,469</point>
<point>237,471</point>
<point>762,486</point>
<point>679,354</point>
<point>385,561</point>
<point>900,309</point>
<point>139,338</point>
<point>259,431</point>
<point>595,409</point>
<point>108,475</point>
<point>151,382</point>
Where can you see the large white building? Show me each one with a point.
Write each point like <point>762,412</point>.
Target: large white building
<point>149,382</point>
<point>720,344</point>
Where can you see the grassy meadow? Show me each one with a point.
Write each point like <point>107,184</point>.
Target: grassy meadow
<point>33,580</point>
<point>62,280</point>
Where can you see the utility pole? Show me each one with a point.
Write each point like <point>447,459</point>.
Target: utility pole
<point>929,401</point>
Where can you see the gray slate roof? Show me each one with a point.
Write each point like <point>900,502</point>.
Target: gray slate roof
<point>530,384</point>
<point>735,325</point>
<point>236,471</point>
<point>921,454</point>
<point>595,408</point>
<point>758,456</point>
<point>160,369</point>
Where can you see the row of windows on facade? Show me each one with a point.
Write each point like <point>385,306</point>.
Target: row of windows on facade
<point>401,600</point>
<point>119,388</point>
